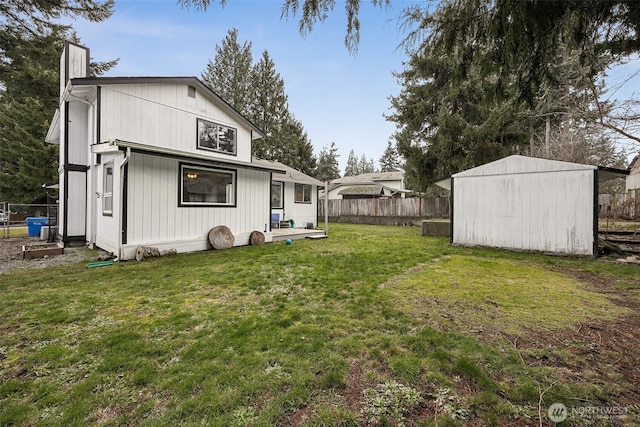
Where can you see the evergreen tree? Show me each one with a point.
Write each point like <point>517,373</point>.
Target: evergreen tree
<point>229,74</point>
<point>389,161</point>
<point>365,165</point>
<point>32,18</point>
<point>263,101</point>
<point>312,11</point>
<point>30,48</point>
<point>328,168</point>
<point>351,168</point>
<point>268,109</point>
<point>294,148</point>
<point>446,122</point>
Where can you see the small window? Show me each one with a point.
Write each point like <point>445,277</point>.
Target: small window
<point>216,137</point>
<point>191,91</point>
<point>276,195</point>
<point>303,193</point>
<point>107,190</point>
<point>200,186</point>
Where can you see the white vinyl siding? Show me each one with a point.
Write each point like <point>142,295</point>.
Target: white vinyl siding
<point>77,201</point>
<point>301,213</point>
<point>164,115</point>
<point>154,214</point>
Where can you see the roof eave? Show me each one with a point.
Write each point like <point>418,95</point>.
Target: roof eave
<point>178,154</point>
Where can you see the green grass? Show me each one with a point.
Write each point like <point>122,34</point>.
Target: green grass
<point>312,332</point>
<point>12,231</point>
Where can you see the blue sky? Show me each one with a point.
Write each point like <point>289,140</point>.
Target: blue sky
<point>338,97</point>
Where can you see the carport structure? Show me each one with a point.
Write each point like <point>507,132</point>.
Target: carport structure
<point>530,204</point>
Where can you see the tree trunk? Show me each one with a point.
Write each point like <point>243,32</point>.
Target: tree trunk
<point>221,237</point>
<point>150,252</point>
<point>256,238</point>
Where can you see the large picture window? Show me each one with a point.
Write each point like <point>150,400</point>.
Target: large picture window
<point>303,193</point>
<point>216,137</point>
<point>201,186</point>
<point>107,189</point>
<point>276,195</point>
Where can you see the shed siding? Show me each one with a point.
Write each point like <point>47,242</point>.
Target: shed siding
<point>154,214</point>
<point>542,211</point>
<point>163,115</point>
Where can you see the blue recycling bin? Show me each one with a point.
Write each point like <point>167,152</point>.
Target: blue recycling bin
<point>34,224</point>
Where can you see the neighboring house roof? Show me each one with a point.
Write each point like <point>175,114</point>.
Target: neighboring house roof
<point>368,184</point>
<point>368,178</point>
<point>75,87</point>
<point>362,190</point>
<point>290,174</point>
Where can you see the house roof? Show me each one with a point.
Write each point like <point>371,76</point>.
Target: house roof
<point>193,81</point>
<point>368,178</point>
<point>517,164</point>
<point>290,174</point>
<point>362,190</point>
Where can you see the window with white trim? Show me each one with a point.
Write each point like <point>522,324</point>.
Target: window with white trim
<point>202,186</point>
<point>107,189</point>
<point>303,193</point>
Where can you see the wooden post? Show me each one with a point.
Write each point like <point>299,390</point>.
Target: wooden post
<point>326,208</point>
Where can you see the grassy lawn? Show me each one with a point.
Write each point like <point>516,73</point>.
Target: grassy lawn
<point>13,231</point>
<point>372,326</point>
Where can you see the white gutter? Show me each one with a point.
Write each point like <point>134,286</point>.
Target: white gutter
<point>148,149</point>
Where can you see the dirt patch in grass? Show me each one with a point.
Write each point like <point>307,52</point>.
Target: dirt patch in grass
<point>602,351</point>
<point>11,255</point>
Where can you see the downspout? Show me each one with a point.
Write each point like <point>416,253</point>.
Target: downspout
<point>127,156</point>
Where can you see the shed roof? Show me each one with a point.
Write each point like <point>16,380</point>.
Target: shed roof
<point>517,164</point>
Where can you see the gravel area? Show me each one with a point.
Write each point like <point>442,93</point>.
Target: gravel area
<point>11,255</point>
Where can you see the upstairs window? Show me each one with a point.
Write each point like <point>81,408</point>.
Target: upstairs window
<point>303,193</point>
<point>216,137</point>
<point>201,186</point>
<point>107,189</point>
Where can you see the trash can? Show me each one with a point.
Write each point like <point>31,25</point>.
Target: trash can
<point>34,224</point>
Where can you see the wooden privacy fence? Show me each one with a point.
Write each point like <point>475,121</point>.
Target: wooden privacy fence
<point>388,211</point>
